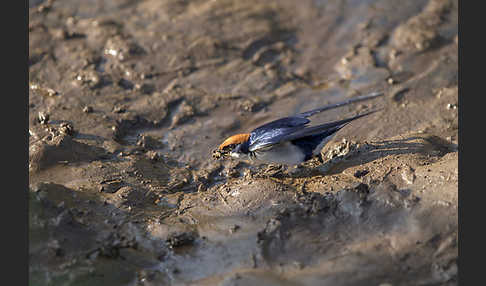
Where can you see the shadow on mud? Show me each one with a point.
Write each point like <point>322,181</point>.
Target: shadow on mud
<point>356,155</point>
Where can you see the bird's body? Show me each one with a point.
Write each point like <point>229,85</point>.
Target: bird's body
<point>285,153</point>
<point>288,140</point>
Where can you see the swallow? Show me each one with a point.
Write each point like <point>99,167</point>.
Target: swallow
<point>288,140</point>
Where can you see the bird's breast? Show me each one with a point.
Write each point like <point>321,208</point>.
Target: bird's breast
<point>284,153</point>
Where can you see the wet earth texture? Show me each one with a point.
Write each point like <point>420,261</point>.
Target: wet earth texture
<point>127,100</point>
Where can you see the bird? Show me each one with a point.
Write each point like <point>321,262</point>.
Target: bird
<point>289,140</point>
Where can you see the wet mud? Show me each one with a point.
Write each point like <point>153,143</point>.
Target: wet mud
<point>128,99</point>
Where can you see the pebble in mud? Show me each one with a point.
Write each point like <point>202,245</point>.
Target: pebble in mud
<point>408,175</point>
<point>234,228</point>
<point>67,128</point>
<point>51,92</point>
<point>122,48</point>
<point>119,109</point>
<point>451,106</point>
<point>360,173</point>
<point>87,109</point>
<point>153,156</point>
<point>43,117</point>
<point>175,240</point>
<point>90,78</point>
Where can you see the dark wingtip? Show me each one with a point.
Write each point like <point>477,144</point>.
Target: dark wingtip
<point>348,120</point>
<point>342,103</point>
<point>371,111</point>
<point>364,114</point>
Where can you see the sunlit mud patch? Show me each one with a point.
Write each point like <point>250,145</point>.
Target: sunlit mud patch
<point>355,235</point>
<point>322,226</point>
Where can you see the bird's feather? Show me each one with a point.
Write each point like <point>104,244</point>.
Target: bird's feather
<point>327,127</point>
<point>272,133</point>
<point>339,104</point>
<point>297,133</point>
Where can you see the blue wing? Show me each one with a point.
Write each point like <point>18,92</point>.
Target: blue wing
<point>270,133</point>
<point>274,132</point>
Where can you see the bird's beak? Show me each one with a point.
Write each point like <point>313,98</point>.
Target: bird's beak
<point>218,154</point>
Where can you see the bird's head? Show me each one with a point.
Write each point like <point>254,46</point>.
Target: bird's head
<point>234,146</point>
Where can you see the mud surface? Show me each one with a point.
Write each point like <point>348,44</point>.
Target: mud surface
<point>128,99</point>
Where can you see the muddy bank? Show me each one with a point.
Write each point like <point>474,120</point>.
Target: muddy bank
<point>127,100</point>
